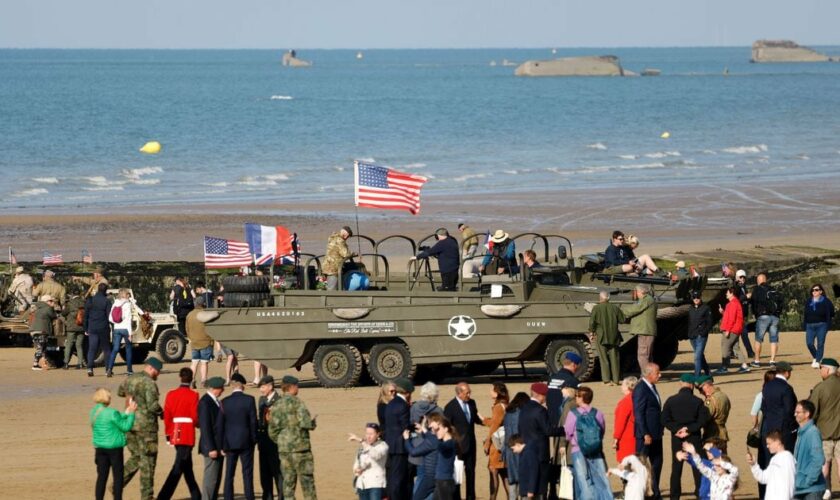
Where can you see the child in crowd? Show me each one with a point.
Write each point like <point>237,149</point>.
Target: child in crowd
<point>528,466</point>
<point>713,446</point>
<point>636,472</point>
<point>722,475</point>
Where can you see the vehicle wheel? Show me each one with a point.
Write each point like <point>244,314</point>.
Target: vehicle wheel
<point>245,299</point>
<point>432,373</point>
<point>139,353</point>
<point>665,349</point>
<point>558,347</point>
<point>479,368</point>
<point>171,346</point>
<point>245,284</point>
<point>337,365</point>
<point>389,362</point>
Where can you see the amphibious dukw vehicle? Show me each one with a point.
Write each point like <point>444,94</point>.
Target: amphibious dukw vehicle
<point>401,324</point>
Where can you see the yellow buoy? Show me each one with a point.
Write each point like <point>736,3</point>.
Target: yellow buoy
<point>665,135</point>
<point>151,148</point>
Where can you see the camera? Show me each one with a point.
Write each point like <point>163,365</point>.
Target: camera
<point>424,248</point>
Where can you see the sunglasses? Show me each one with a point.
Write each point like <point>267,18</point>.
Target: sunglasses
<point>816,290</point>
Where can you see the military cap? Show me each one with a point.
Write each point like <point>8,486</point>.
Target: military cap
<point>290,380</point>
<point>155,363</point>
<point>98,270</point>
<point>215,382</point>
<point>404,385</point>
<point>830,362</point>
<point>573,357</point>
<point>539,388</point>
<point>349,231</point>
<point>783,366</point>
<point>702,379</point>
<point>49,273</point>
<point>268,379</point>
<point>18,269</point>
<point>237,377</point>
<point>687,378</point>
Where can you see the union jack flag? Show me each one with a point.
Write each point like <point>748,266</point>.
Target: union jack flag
<point>221,253</point>
<point>87,258</point>
<point>383,187</point>
<point>52,259</point>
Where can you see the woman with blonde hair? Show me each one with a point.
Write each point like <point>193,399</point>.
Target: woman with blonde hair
<point>386,393</point>
<point>109,427</point>
<point>624,439</point>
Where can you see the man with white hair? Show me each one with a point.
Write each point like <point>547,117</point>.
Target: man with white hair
<point>603,325</point>
<point>21,289</point>
<point>826,399</point>
<point>642,316</point>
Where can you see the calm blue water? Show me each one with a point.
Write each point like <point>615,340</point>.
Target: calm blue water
<point>238,127</point>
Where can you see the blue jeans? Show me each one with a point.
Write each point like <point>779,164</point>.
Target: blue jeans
<point>116,338</point>
<point>764,324</point>
<point>816,331</point>
<point>371,493</point>
<point>590,476</point>
<point>699,345</point>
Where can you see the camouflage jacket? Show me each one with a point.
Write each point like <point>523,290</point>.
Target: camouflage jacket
<point>337,251</point>
<point>289,425</point>
<point>144,390</point>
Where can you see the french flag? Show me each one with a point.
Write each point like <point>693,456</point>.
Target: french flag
<point>268,242</point>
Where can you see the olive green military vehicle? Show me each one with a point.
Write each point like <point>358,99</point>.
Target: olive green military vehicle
<point>402,326</point>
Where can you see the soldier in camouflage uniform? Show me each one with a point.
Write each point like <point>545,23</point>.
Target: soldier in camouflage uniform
<point>289,427</point>
<point>336,252</point>
<point>75,333</point>
<point>93,282</point>
<point>49,286</point>
<point>142,440</point>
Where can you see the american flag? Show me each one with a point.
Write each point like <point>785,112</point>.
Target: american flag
<point>12,257</point>
<point>87,258</point>
<point>383,187</point>
<point>52,259</point>
<point>221,253</point>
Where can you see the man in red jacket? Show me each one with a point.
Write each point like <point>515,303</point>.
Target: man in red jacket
<point>180,417</point>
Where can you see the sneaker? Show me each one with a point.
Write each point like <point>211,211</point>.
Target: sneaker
<point>90,373</point>
<point>65,367</point>
<point>720,371</point>
<point>815,364</point>
<point>744,369</point>
<point>37,368</point>
<point>129,373</point>
<point>827,495</point>
<point>755,364</point>
<point>109,374</point>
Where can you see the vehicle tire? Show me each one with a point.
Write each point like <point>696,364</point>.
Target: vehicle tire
<point>171,346</point>
<point>391,361</point>
<point>139,353</point>
<point>245,284</point>
<point>337,365</point>
<point>432,373</point>
<point>245,299</point>
<point>579,345</point>
<point>665,348</point>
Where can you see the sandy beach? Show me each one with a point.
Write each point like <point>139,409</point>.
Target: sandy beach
<point>47,437</point>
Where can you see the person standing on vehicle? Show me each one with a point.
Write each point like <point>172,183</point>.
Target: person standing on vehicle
<point>120,317</point>
<point>42,328</point>
<point>603,325</point>
<point>183,301</point>
<point>699,325</point>
<point>469,240</point>
<point>337,251</point>
<point>270,476</point>
<point>642,316</point>
<point>289,427</point>
<point>142,440</point>
<point>501,258</point>
<point>765,304</point>
<point>180,417</point>
<point>200,343</point>
<point>210,444</point>
<point>446,251</point>
<point>74,331</point>
<point>21,289</point>
<point>817,317</point>
<point>49,286</point>
<point>97,327</point>
<point>741,291</point>
<point>92,282</point>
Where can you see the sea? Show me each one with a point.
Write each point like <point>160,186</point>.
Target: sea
<point>238,127</point>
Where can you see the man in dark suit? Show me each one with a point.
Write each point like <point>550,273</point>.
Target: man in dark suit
<point>463,414</point>
<point>648,414</point>
<point>397,420</point>
<point>778,403</point>
<point>684,414</point>
<point>535,429</point>
<point>238,423</point>
<point>210,444</point>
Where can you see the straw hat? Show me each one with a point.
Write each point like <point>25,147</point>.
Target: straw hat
<point>499,236</point>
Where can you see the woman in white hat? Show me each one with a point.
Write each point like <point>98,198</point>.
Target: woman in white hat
<point>501,257</point>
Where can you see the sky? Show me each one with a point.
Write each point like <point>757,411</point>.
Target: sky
<point>359,24</point>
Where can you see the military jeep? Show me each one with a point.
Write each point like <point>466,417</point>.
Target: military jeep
<point>401,324</point>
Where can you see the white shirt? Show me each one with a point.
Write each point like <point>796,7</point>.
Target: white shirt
<point>778,476</point>
<point>636,477</point>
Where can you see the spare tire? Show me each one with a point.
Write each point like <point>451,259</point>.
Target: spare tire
<point>245,299</point>
<point>245,284</point>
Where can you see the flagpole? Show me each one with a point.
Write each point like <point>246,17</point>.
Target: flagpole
<point>10,260</point>
<point>356,205</point>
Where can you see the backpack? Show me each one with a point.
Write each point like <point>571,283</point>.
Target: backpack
<point>116,314</point>
<point>80,316</point>
<point>588,433</point>
<point>774,303</point>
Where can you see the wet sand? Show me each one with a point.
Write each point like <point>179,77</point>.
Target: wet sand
<point>48,453</point>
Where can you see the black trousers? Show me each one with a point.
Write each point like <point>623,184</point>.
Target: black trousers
<point>449,281</point>
<point>95,341</point>
<point>183,466</point>
<point>270,475</point>
<point>446,489</point>
<point>654,454</point>
<point>397,483</point>
<point>109,459</point>
<point>247,459</point>
<point>677,465</point>
<point>469,475</point>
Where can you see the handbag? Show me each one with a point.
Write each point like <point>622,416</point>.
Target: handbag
<point>565,490</point>
<point>459,471</point>
<point>498,438</point>
<point>754,438</point>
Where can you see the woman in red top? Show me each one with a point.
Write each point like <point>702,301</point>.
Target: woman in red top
<point>624,440</point>
<point>731,327</point>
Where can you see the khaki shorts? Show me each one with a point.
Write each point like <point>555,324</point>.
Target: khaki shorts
<point>831,449</point>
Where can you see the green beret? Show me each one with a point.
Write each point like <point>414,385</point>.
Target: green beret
<point>702,379</point>
<point>404,385</point>
<point>268,379</point>
<point>830,362</point>
<point>783,366</point>
<point>155,363</point>
<point>290,380</point>
<point>215,382</point>
<point>687,378</point>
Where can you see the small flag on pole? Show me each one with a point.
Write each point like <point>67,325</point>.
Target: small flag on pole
<point>221,253</point>
<point>52,259</point>
<point>12,257</point>
<point>87,258</point>
<point>383,187</point>
<point>488,243</point>
<point>266,242</point>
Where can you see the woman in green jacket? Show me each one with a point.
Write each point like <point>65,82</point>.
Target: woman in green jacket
<point>109,428</point>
